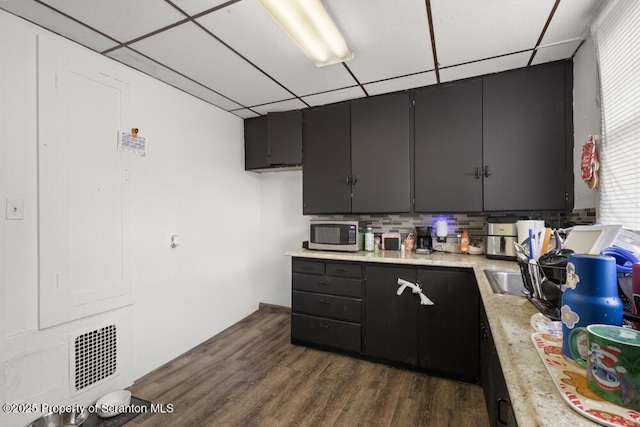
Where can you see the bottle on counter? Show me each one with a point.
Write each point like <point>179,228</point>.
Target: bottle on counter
<point>368,240</point>
<point>464,242</point>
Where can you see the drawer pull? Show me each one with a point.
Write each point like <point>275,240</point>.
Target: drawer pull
<point>323,325</point>
<point>341,270</point>
<point>323,283</point>
<point>324,301</point>
<point>307,268</point>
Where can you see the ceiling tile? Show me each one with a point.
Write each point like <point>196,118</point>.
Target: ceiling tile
<point>271,50</point>
<point>388,38</point>
<point>571,20</point>
<point>334,96</point>
<point>556,52</point>
<point>191,51</point>
<point>290,104</point>
<point>402,83</point>
<point>59,24</point>
<point>244,113</point>
<point>471,30</point>
<point>152,68</point>
<point>124,20</point>
<point>487,66</point>
<point>193,7</point>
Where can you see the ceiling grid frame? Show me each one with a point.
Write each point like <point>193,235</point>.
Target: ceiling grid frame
<point>357,18</point>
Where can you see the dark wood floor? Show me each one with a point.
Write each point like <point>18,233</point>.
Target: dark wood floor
<point>250,375</point>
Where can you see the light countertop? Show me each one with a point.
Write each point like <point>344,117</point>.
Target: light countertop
<point>534,397</point>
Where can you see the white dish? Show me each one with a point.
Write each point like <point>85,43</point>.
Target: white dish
<point>591,239</point>
<point>113,403</point>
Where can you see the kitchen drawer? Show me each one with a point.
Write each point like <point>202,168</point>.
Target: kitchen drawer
<point>344,270</point>
<point>331,333</point>
<point>328,285</point>
<point>340,308</point>
<point>307,267</point>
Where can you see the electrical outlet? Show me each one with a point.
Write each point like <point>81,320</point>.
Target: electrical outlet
<point>15,208</point>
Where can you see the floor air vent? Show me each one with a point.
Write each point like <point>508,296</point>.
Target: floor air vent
<point>95,356</point>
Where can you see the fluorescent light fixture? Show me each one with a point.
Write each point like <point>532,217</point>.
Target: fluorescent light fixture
<point>309,25</point>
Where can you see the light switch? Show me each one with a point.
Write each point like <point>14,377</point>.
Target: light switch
<point>15,208</point>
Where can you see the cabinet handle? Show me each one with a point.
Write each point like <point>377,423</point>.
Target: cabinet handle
<point>307,268</point>
<point>347,179</point>
<point>324,301</point>
<point>323,325</point>
<point>483,332</point>
<point>341,270</point>
<point>478,173</point>
<point>487,172</point>
<point>354,179</point>
<point>500,402</point>
<point>323,283</point>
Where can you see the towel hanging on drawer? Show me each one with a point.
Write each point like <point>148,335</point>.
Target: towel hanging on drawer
<point>416,290</point>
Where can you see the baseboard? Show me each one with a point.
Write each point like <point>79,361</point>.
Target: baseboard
<point>274,308</point>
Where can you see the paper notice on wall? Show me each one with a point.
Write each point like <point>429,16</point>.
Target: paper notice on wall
<point>135,144</point>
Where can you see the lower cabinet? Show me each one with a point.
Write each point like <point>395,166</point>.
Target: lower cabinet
<point>448,338</point>
<point>496,394</point>
<point>355,307</point>
<point>326,304</point>
<point>391,320</point>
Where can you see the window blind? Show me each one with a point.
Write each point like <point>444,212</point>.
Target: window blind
<point>617,35</point>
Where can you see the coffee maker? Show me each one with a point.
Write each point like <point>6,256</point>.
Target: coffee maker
<point>424,241</point>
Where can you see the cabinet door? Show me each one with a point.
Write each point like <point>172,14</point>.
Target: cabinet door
<point>284,138</point>
<point>380,154</point>
<point>326,165</point>
<point>448,331</point>
<point>525,144</point>
<point>390,321</point>
<point>448,148</point>
<point>255,143</point>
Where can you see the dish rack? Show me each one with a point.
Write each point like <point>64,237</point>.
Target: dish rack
<point>547,308</point>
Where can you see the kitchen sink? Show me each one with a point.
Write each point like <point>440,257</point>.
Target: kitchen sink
<point>506,282</point>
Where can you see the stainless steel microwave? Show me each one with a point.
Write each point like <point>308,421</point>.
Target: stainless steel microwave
<point>334,236</point>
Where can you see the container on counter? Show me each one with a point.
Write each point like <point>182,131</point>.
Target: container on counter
<point>369,240</point>
<point>591,295</point>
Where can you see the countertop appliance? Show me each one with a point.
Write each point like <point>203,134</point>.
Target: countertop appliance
<point>424,241</point>
<point>335,236</point>
<point>501,233</point>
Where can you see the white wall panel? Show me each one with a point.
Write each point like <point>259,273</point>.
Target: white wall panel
<point>84,202</point>
<point>283,227</point>
<point>191,183</point>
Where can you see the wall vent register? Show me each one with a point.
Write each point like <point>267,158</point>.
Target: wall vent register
<point>94,356</point>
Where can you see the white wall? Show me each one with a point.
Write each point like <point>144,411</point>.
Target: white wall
<point>191,183</point>
<point>283,228</point>
<point>586,117</point>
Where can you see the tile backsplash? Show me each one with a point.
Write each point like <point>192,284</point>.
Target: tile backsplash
<point>474,223</point>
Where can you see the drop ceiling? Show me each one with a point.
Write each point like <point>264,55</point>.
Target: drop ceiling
<point>230,53</point>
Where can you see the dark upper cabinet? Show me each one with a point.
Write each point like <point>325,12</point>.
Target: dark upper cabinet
<point>255,143</point>
<point>448,148</point>
<point>448,338</point>
<point>273,140</point>
<point>526,138</point>
<point>380,154</point>
<point>390,324</point>
<point>284,138</point>
<point>327,160</point>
